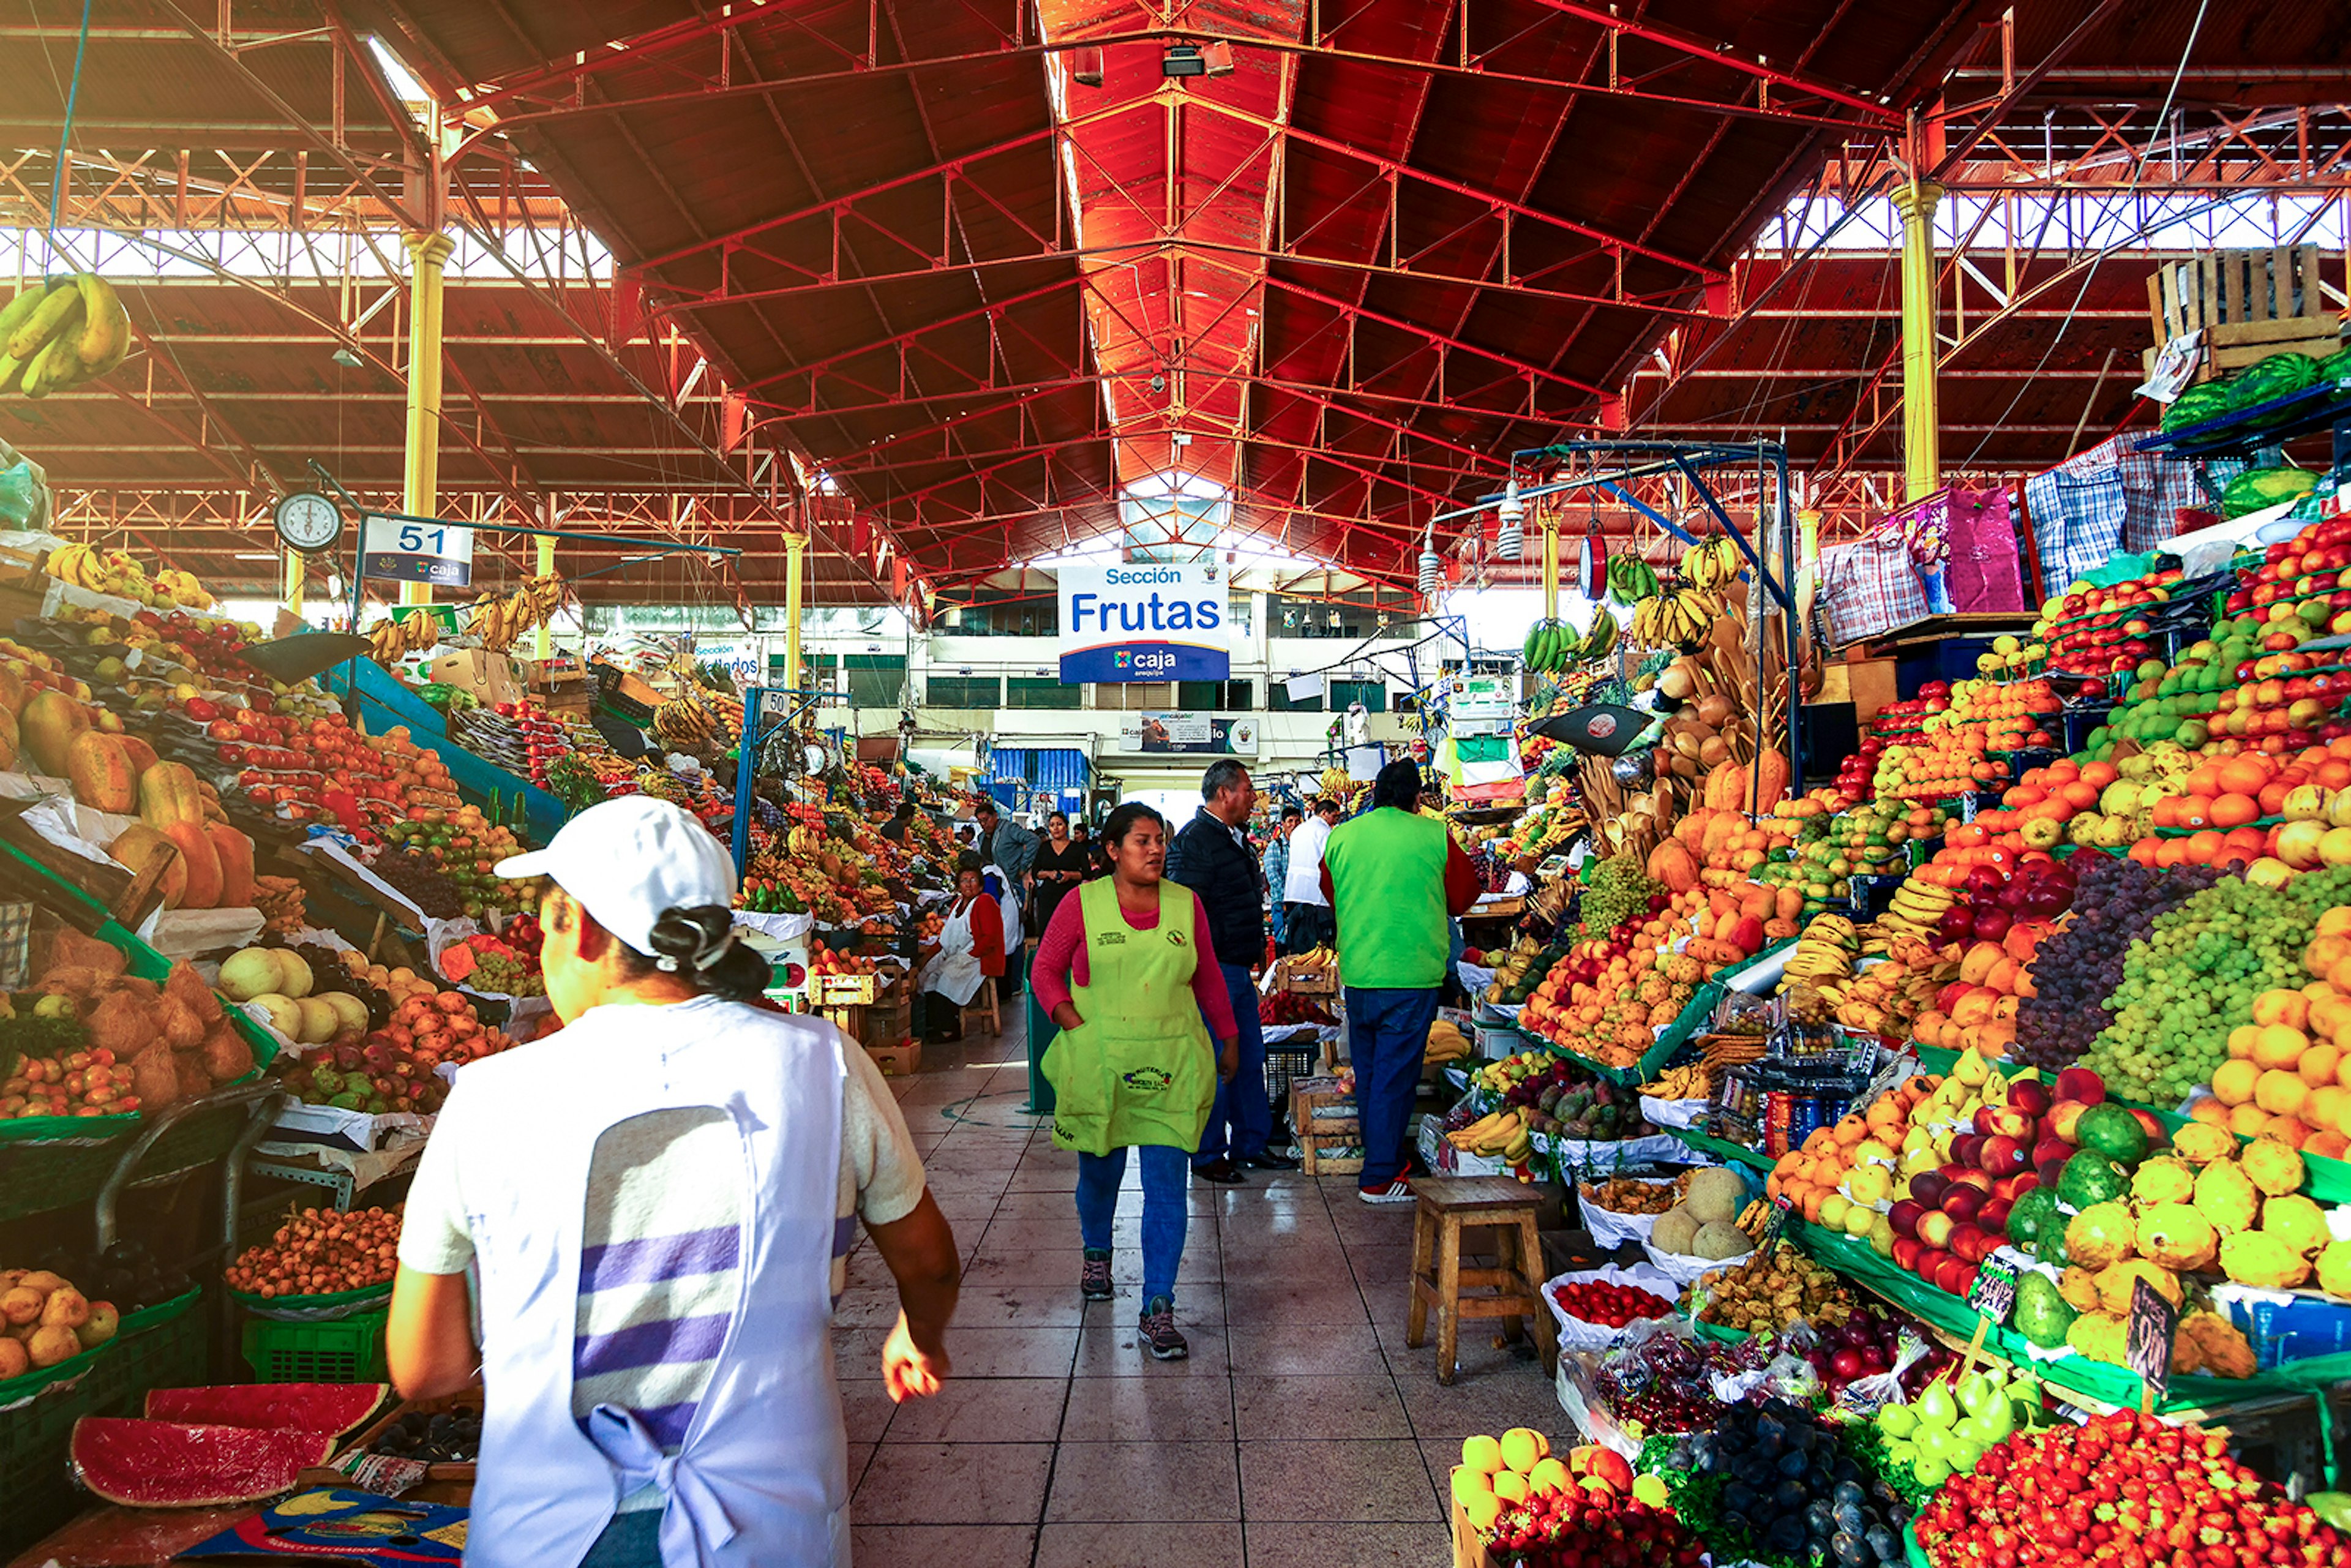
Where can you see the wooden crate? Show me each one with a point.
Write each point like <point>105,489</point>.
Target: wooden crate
<point>1468,1551</point>
<point>1326,1131</point>
<point>844,990</point>
<point>2248,304</point>
<point>1302,981</point>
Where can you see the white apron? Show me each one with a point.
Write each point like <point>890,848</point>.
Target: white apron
<point>762,1475</point>
<point>954,970</point>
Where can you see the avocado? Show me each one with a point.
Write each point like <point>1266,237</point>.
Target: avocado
<point>2041,1313</point>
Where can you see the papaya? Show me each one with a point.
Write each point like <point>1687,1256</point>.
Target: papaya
<point>139,843</point>
<point>202,861</point>
<point>101,771</point>
<point>1771,780</point>
<point>48,726</point>
<point>13,688</point>
<point>235,854</point>
<point>142,756</point>
<point>1671,864</point>
<point>168,794</point>
<point>7,741</point>
<point>1725,787</point>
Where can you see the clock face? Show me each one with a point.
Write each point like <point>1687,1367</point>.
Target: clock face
<point>309,521</point>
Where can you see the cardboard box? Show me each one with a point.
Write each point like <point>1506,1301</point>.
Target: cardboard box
<point>1867,684</point>
<point>491,677</point>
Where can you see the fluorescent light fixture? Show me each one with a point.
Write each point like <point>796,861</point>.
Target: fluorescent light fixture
<point>1197,60</point>
<point>252,554</point>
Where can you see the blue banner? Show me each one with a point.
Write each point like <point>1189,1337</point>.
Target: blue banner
<point>1118,663</point>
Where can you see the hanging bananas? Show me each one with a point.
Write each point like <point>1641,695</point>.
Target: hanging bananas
<point>395,635</point>
<point>498,622</point>
<point>60,332</point>
<point>1712,564</point>
<point>1630,580</point>
<point>1678,618</point>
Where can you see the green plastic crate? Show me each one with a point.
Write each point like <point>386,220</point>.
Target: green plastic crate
<point>347,1350</point>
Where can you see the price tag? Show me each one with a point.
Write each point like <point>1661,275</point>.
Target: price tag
<point>1773,1223</point>
<point>1993,1294</point>
<point>2147,1341</point>
<point>418,552</point>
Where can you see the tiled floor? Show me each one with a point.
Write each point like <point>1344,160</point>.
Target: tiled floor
<point>1300,1431</point>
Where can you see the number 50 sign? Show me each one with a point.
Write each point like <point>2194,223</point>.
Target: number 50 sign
<point>418,551</point>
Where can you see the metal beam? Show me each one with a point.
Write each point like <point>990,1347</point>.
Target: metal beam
<point>1718,53</point>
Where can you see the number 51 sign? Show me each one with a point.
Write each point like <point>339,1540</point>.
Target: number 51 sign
<point>418,551</point>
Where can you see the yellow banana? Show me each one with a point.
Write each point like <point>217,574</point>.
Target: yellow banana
<point>106,326</point>
<point>52,314</point>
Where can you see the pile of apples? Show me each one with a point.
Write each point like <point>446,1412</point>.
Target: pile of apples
<point>2108,628</point>
<point>2305,575</point>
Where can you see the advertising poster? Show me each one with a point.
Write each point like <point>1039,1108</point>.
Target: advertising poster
<point>1196,734</point>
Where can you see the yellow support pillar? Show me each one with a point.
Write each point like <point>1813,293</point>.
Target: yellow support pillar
<point>795,559</point>
<point>1550,568</point>
<point>297,569</point>
<point>1921,457</point>
<point>420,495</point>
<point>543,639</point>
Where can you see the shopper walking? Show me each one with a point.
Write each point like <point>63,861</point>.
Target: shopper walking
<point>1394,877</point>
<point>698,1167</point>
<point>968,954</point>
<point>1127,973</point>
<point>1277,867</point>
<point>1306,917</point>
<point>1211,855</point>
<point>1010,846</point>
<point>1061,866</point>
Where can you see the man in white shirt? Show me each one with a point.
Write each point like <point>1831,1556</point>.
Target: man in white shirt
<point>1305,912</point>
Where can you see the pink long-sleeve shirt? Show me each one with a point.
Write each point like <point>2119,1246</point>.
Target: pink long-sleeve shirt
<point>1061,964</point>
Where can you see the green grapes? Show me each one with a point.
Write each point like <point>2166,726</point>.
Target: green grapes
<point>1619,891</point>
<point>2193,977</point>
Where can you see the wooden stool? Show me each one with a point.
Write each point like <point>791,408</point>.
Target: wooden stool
<point>981,1008</point>
<point>1447,1206</point>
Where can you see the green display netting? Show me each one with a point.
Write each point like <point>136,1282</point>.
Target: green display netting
<point>1723,1148</point>
<point>2101,1381</point>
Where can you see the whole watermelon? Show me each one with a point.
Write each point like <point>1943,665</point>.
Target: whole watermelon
<point>2259,488</point>
<point>2274,377</point>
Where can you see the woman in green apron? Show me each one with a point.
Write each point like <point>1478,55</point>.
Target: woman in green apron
<point>1127,974</point>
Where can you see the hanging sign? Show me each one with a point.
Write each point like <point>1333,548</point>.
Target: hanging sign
<point>1145,621</point>
<point>1187,732</point>
<point>2147,1341</point>
<point>413,551</point>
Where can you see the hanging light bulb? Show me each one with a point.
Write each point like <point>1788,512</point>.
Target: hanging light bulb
<point>1432,565</point>
<point>1511,538</point>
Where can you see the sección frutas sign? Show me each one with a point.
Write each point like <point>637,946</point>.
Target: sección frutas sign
<point>1145,621</point>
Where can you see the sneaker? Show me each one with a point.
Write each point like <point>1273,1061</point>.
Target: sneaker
<point>1268,1160</point>
<point>1224,1173</point>
<point>1397,1191</point>
<point>1093,1277</point>
<point>1159,1336</point>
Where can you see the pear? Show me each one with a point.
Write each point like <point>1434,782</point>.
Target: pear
<point>1936,1409</point>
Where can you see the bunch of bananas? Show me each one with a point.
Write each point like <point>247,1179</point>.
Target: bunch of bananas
<point>498,622</point>
<point>1917,909</point>
<point>1630,580</point>
<point>1712,564</point>
<point>1550,646</point>
<point>1688,1082</point>
<point>1508,1134</point>
<point>1754,1217</point>
<point>683,721</point>
<point>803,839</point>
<point>1676,618</point>
<point>120,573</point>
<point>1446,1043</point>
<point>1335,783</point>
<point>397,635</point>
<point>1824,952</point>
<point>59,332</point>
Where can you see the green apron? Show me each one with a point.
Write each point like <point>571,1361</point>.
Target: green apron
<point>1140,1069</point>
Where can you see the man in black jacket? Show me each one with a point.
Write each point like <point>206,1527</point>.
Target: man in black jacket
<point>1212,857</point>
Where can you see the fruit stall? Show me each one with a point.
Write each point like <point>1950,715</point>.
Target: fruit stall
<point>1969,1130</point>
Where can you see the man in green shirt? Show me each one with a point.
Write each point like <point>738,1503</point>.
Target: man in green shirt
<point>1394,878</point>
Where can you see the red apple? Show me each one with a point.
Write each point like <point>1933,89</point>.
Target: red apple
<point>1930,1261</point>
<point>1967,1150</point>
<point>1906,1250</point>
<point>1905,1215</point>
<point>2003,1156</point>
<point>2061,1117</point>
<point>1935,1227</point>
<point>1927,1188</point>
<point>1969,1175</point>
<point>2013,1187</point>
<point>2049,1171</point>
<point>2148,1124</point>
<point>2030,1095</point>
<point>2051,1151</point>
<point>1993,1216</point>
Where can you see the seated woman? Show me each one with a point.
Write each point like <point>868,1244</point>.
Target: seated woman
<point>969,951</point>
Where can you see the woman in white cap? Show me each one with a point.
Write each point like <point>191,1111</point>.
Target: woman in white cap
<point>656,1207</point>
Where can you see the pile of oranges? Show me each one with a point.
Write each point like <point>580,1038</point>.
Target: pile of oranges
<point>2288,1076</point>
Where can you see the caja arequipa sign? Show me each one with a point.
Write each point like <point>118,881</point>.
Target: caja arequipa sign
<point>1145,621</point>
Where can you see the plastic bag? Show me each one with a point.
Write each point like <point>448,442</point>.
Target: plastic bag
<point>1611,1229</point>
<point>1580,1333</point>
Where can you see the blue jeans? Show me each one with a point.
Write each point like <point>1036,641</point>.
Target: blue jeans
<point>1166,1179</point>
<point>630,1541</point>
<point>1242,1118</point>
<point>1387,1034</point>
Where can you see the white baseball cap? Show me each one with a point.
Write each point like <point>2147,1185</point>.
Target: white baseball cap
<point>630,861</point>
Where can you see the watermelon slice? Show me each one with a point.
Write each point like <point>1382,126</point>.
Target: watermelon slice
<point>333,1408</point>
<point>166,1464</point>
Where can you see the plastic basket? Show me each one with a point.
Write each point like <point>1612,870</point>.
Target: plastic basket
<point>348,1350</point>
<point>329,1308</point>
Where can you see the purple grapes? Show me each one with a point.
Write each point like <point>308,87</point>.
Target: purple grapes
<point>2078,969</point>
